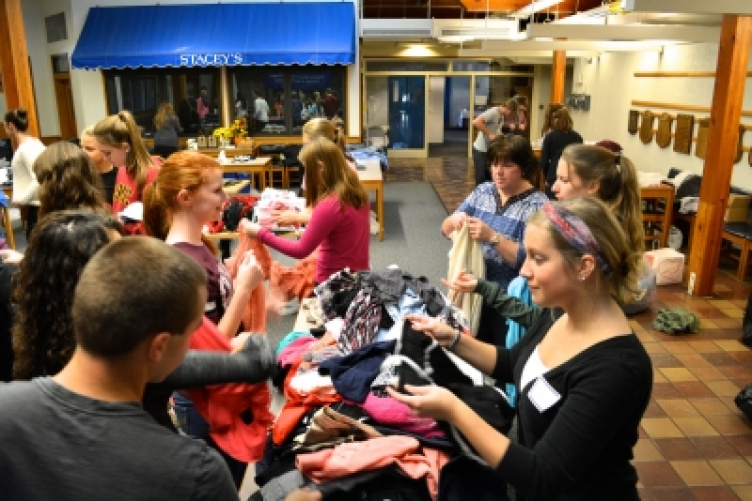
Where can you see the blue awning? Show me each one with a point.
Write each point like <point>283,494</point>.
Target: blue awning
<point>319,33</point>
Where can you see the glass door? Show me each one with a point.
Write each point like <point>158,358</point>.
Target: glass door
<point>396,114</point>
<point>407,105</point>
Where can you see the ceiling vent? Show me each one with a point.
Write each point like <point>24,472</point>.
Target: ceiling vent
<point>395,29</point>
<point>476,29</point>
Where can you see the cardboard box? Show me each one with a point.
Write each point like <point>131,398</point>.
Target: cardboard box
<point>667,264</point>
<point>737,209</point>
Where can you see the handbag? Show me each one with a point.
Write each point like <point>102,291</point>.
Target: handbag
<point>744,401</point>
<point>236,208</point>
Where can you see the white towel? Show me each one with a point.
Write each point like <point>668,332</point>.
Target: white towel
<point>466,254</point>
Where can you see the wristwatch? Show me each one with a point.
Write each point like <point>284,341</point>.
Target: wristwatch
<point>495,239</point>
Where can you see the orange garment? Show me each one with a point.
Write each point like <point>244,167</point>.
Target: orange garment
<point>254,315</point>
<point>223,406</point>
<point>297,405</point>
<point>287,282</point>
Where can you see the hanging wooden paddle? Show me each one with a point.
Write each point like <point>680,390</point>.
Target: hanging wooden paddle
<point>646,126</point>
<point>739,145</point>
<point>634,118</point>
<point>702,137</point>
<point>663,134</point>
<point>685,125</point>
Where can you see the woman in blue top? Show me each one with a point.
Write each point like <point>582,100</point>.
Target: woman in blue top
<point>496,213</point>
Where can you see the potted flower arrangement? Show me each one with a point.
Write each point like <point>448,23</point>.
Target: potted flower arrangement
<point>237,130</point>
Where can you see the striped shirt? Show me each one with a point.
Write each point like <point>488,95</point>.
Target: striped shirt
<point>509,220</point>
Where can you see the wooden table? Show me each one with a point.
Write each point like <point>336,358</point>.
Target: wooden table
<point>234,186</point>
<point>373,180</point>
<point>259,166</point>
<point>229,152</point>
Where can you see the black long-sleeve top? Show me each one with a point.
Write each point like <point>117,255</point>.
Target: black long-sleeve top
<point>553,144</point>
<point>581,447</point>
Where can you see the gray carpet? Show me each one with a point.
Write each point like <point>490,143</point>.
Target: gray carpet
<point>413,240</point>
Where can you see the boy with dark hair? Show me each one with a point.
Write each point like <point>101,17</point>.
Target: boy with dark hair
<point>82,434</point>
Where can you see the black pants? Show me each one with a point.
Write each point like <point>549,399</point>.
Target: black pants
<point>481,167</point>
<point>32,214</point>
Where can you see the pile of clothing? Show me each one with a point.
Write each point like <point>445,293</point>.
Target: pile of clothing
<point>341,432</point>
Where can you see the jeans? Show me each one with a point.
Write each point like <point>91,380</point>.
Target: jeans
<point>193,425</point>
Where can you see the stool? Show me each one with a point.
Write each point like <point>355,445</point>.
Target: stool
<point>740,235</point>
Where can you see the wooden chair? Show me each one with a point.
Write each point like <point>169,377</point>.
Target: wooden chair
<point>739,236</point>
<point>659,203</point>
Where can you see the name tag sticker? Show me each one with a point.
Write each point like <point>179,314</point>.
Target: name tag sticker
<point>542,395</point>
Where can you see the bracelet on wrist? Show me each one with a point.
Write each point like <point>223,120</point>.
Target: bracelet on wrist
<point>455,341</point>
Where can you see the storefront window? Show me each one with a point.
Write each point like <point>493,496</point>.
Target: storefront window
<point>281,100</point>
<point>275,100</point>
<point>401,65</point>
<point>141,92</point>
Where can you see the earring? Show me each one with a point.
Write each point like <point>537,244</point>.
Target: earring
<point>582,278</point>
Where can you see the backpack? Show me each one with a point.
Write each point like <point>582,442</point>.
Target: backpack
<point>236,208</point>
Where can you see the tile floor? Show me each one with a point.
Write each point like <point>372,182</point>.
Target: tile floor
<point>694,443</point>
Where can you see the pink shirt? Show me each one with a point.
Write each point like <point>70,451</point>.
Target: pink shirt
<point>342,236</point>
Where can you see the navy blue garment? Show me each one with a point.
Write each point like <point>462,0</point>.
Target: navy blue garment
<point>353,373</point>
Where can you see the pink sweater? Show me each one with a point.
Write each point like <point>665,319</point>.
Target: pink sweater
<point>342,236</point>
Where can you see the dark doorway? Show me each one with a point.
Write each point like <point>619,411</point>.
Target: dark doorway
<point>456,121</point>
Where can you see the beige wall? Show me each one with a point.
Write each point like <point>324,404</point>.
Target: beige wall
<point>610,81</point>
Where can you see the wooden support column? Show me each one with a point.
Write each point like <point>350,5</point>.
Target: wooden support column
<point>725,112</point>
<point>226,98</point>
<point>558,76</point>
<point>14,60</point>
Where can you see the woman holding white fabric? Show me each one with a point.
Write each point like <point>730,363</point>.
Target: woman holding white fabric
<point>496,213</point>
